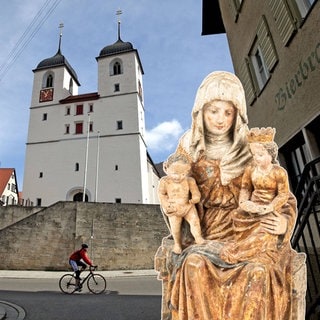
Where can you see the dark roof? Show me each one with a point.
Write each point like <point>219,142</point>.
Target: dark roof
<point>56,61</point>
<point>81,97</point>
<point>159,167</point>
<point>212,22</point>
<point>118,47</point>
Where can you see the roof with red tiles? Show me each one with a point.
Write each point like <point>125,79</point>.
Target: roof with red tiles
<point>5,174</point>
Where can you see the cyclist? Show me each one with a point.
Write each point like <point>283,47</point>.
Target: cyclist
<point>78,259</point>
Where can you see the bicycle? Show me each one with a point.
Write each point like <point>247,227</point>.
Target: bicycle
<point>96,283</point>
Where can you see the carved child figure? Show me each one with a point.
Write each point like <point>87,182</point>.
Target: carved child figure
<point>264,192</point>
<point>178,194</point>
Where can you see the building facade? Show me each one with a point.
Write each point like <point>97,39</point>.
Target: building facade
<point>9,194</point>
<point>89,147</point>
<point>275,50</point>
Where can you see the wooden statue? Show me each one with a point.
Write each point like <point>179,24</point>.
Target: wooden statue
<point>216,280</point>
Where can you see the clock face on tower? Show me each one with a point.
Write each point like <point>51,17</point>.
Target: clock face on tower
<point>46,95</point>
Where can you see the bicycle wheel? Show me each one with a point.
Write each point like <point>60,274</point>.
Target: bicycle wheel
<point>97,283</point>
<point>67,283</point>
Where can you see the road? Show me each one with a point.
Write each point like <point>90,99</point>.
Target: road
<point>134,298</point>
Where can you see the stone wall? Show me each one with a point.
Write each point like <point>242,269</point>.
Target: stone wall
<point>12,214</point>
<point>120,236</point>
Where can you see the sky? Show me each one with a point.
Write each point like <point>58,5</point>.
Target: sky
<point>167,34</point>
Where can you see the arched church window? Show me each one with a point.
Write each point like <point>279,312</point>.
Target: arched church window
<point>49,82</point>
<point>117,68</point>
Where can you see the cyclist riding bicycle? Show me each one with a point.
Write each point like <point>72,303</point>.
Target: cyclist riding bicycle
<point>78,259</point>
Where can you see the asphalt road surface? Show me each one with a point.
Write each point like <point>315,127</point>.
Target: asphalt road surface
<point>134,298</point>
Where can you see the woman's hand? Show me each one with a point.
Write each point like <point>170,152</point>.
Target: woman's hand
<point>275,224</point>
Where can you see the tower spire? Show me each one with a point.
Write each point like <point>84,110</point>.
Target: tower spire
<point>119,13</point>
<point>60,36</point>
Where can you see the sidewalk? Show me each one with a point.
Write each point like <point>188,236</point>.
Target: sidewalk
<point>20,274</point>
<point>10,311</point>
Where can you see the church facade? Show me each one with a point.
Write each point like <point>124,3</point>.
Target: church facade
<point>89,147</point>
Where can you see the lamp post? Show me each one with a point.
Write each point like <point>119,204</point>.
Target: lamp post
<point>97,166</point>
<point>86,162</point>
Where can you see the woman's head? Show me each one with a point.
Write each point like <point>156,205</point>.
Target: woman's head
<point>219,86</point>
<point>264,153</point>
<point>218,117</point>
<point>225,88</point>
<point>263,139</point>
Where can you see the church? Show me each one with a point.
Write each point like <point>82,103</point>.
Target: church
<point>89,147</point>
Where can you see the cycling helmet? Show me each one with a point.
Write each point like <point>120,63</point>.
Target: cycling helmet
<point>84,245</point>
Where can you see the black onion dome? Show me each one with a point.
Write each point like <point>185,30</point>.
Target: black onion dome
<point>118,47</point>
<point>57,60</point>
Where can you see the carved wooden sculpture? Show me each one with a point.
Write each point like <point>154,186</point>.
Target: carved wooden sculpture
<point>215,280</point>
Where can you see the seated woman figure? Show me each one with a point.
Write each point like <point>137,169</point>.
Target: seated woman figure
<point>264,194</point>
<point>202,285</point>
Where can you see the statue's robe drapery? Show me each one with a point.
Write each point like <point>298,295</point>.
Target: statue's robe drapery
<point>201,287</point>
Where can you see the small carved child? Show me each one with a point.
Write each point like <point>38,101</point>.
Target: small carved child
<point>178,194</point>
<point>264,192</point>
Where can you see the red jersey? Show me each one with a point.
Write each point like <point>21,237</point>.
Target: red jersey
<point>81,254</point>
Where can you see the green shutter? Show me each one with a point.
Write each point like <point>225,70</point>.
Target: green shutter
<point>246,80</point>
<point>266,44</point>
<point>283,19</point>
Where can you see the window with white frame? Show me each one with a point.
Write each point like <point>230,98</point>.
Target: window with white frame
<point>262,58</point>
<point>304,6</point>
<point>259,66</point>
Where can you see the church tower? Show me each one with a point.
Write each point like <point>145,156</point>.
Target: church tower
<point>89,147</point>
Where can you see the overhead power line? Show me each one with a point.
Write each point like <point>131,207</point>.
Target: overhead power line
<point>43,14</point>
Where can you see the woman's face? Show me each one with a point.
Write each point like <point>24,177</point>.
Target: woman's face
<point>218,116</point>
<point>260,154</point>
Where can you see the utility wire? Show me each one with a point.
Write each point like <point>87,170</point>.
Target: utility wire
<point>43,14</point>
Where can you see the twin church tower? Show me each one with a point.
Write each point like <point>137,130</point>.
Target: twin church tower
<point>89,147</point>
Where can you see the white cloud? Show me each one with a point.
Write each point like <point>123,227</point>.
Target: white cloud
<point>164,136</point>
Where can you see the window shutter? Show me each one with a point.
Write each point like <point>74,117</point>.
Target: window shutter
<point>266,44</point>
<point>79,129</point>
<point>245,77</point>
<point>283,19</point>
<point>234,9</point>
